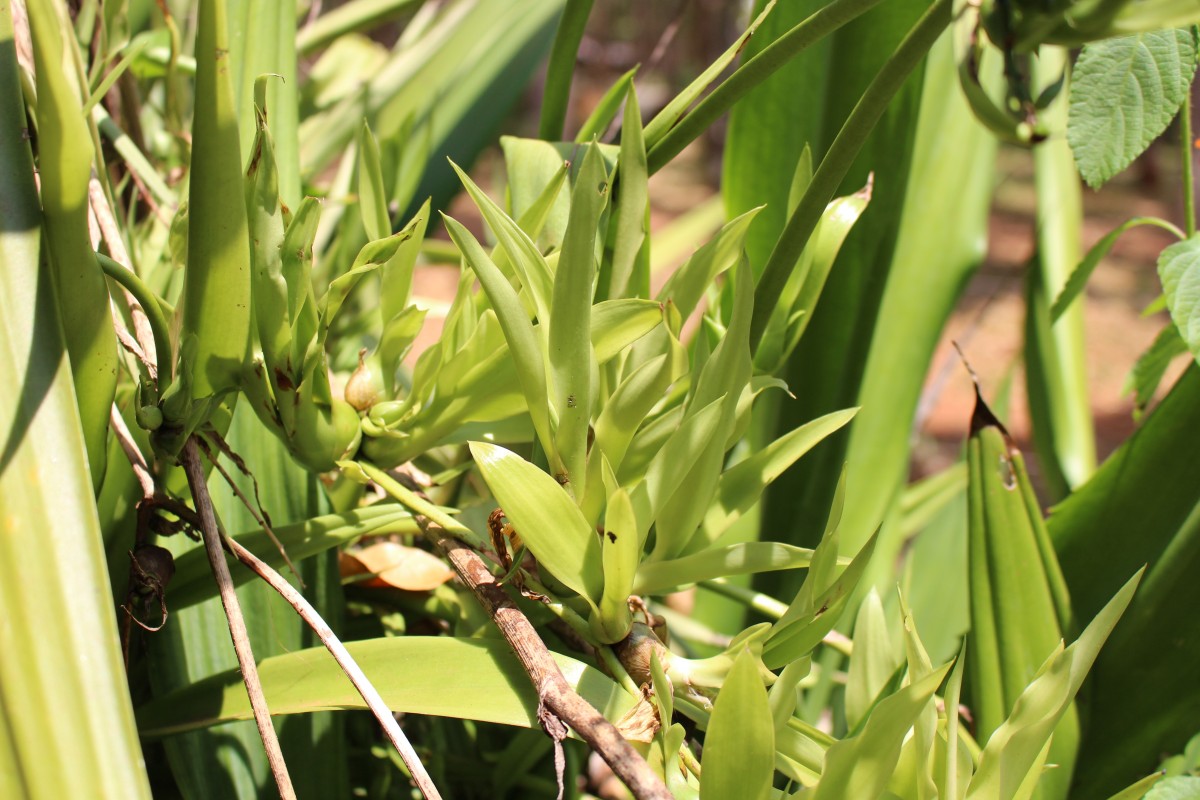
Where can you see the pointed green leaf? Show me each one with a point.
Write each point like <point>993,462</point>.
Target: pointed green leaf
<point>861,766</point>
<point>1079,277</point>
<point>569,343</point>
<point>616,324</point>
<point>739,747</point>
<point>550,524</point>
<point>372,200</point>
<point>518,332</point>
<point>872,662</point>
<point>741,486</point>
<point>1018,744</point>
<point>606,109</point>
<point>743,558</point>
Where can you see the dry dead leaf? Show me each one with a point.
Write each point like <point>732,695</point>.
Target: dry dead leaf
<point>398,566</point>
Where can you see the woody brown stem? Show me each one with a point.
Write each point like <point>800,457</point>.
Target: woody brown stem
<point>554,693</point>
<point>233,613</point>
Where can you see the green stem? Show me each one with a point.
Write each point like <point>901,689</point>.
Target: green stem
<point>751,74</point>
<point>764,604</point>
<point>153,308</point>
<point>354,16</point>
<point>1189,187</point>
<point>416,504</point>
<point>561,68</point>
<point>839,158</point>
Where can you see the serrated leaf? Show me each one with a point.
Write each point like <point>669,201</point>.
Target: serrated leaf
<point>442,676</point>
<point>1150,74</point>
<point>1151,365</point>
<point>549,522</point>
<point>1080,275</point>
<point>1179,270</point>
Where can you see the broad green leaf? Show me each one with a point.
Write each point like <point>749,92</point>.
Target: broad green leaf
<point>861,766</point>
<point>741,486</point>
<point>872,662</point>
<point>619,550</point>
<point>1179,269</point>
<point>531,164</point>
<point>663,577</point>
<point>739,747</point>
<point>550,524</point>
<point>68,725</point>
<point>1124,93</point>
<point>1079,278</point>
<point>466,678</point>
<point>193,582</point>
<point>1019,743</point>
<point>1018,606</point>
<point>571,360</point>
<point>616,324</point>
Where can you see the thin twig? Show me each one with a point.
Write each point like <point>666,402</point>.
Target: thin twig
<point>340,654</point>
<point>558,703</point>
<point>233,613</point>
<point>259,514</point>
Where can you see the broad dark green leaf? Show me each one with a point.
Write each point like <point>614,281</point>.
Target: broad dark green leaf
<point>1124,93</point>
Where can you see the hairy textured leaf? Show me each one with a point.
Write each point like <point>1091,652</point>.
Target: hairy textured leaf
<point>1179,269</point>
<point>1150,74</point>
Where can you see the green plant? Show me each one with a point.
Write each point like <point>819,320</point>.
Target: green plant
<point>568,445</point>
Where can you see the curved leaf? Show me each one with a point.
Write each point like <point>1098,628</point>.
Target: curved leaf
<point>467,678</point>
<point>1179,269</point>
<point>550,524</point>
<point>661,577</point>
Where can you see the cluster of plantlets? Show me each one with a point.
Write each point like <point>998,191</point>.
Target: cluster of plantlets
<point>619,459</point>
